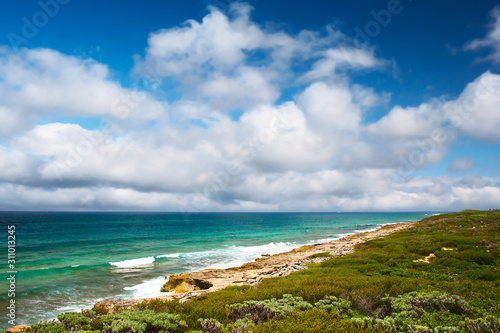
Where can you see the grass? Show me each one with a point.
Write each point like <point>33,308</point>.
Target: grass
<point>383,281</point>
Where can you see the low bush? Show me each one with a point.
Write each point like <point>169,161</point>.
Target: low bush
<point>424,312</point>
<point>142,321</point>
<point>74,321</point>
<point>333,304</point>
<point>261,311</point>
<point>310,321</point>
<point>48,327</point>
<point>320,255</point>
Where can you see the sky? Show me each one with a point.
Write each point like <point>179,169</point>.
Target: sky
<point>197,105</point>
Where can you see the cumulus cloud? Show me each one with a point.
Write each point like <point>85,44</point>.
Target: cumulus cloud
<point>410,122</point>
<point>45,83</point>
<point>475,112</point>
<point>213,59</point>
<point>208,59</point>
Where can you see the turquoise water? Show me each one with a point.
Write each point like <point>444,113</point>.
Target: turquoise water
<point>68,261</point>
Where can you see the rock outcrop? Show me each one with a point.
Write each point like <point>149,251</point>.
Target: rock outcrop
<point>183,283</point>
<point>18,328</point>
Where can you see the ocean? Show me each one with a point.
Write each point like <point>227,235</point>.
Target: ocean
<point>69,261</point>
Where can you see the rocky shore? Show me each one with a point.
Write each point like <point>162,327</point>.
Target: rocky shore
<point>188,285</point>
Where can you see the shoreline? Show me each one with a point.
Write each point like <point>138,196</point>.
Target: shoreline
<point>185,286</point>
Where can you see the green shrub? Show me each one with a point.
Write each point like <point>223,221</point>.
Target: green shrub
<point>320,255</point>
<point>126,325</point>
<point>241,326</point>
<point>143,321</point>
<point>262,311</point>
<point>157,305</point>
<point>334,304</point>
<point>48,327</point>
<point>420,302</point>
<point>100,309</point>
<point>211,326</point>
<point>73,321</point>
<point>490,324</point>
<point>309,321</point>
<point>419,312</point>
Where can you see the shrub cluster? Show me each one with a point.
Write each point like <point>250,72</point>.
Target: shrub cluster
<point>138,321</point>
<point>261,311</point>
<point>333,304</point>
<point>427,312</point>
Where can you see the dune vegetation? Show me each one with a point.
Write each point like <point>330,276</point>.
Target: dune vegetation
<point>440,275</point>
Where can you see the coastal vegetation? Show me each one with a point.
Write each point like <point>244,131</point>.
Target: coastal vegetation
<point>440,275</point>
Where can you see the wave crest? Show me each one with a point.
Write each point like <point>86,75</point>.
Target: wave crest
<point>133,262</point>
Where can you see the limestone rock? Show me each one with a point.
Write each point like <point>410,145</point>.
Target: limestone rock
<point>18,328</point>
<point>185,287</point>
<point>182,283</point>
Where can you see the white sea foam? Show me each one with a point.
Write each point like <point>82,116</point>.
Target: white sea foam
<point>229,256</point>
<point>233,256</point>
<point>329,239</point>
<point>75,266</point>
<point>375,227</point>
<point>148,288</point>
<point>388,223</point>
<point>174,255</point>
<point>271,248</point>
<point>133,262</point>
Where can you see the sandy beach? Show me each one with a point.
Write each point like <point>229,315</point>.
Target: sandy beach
<point>185,286</point>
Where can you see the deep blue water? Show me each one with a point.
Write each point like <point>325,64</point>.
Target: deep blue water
<point>68,261</point>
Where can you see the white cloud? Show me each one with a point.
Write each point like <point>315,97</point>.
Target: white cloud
<point>365,190</point>
<point>217,42</point>
<point>209,59</point>
<point>45,83</point>
<point>408,123</point>
<point>212,60</point>
<point>492,39</point>
<point>281,140</point>
<point>344,58</point>
<point>11,120</point>
<point>248,86</point>
<point>413,137</point>
<point>475,112</point>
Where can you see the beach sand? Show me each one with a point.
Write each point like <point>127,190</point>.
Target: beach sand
<point>185,286</point>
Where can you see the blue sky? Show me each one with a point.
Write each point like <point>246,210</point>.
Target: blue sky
<point>249,106</point>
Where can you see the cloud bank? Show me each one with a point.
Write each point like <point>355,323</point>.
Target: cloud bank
<point>210,127</point>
